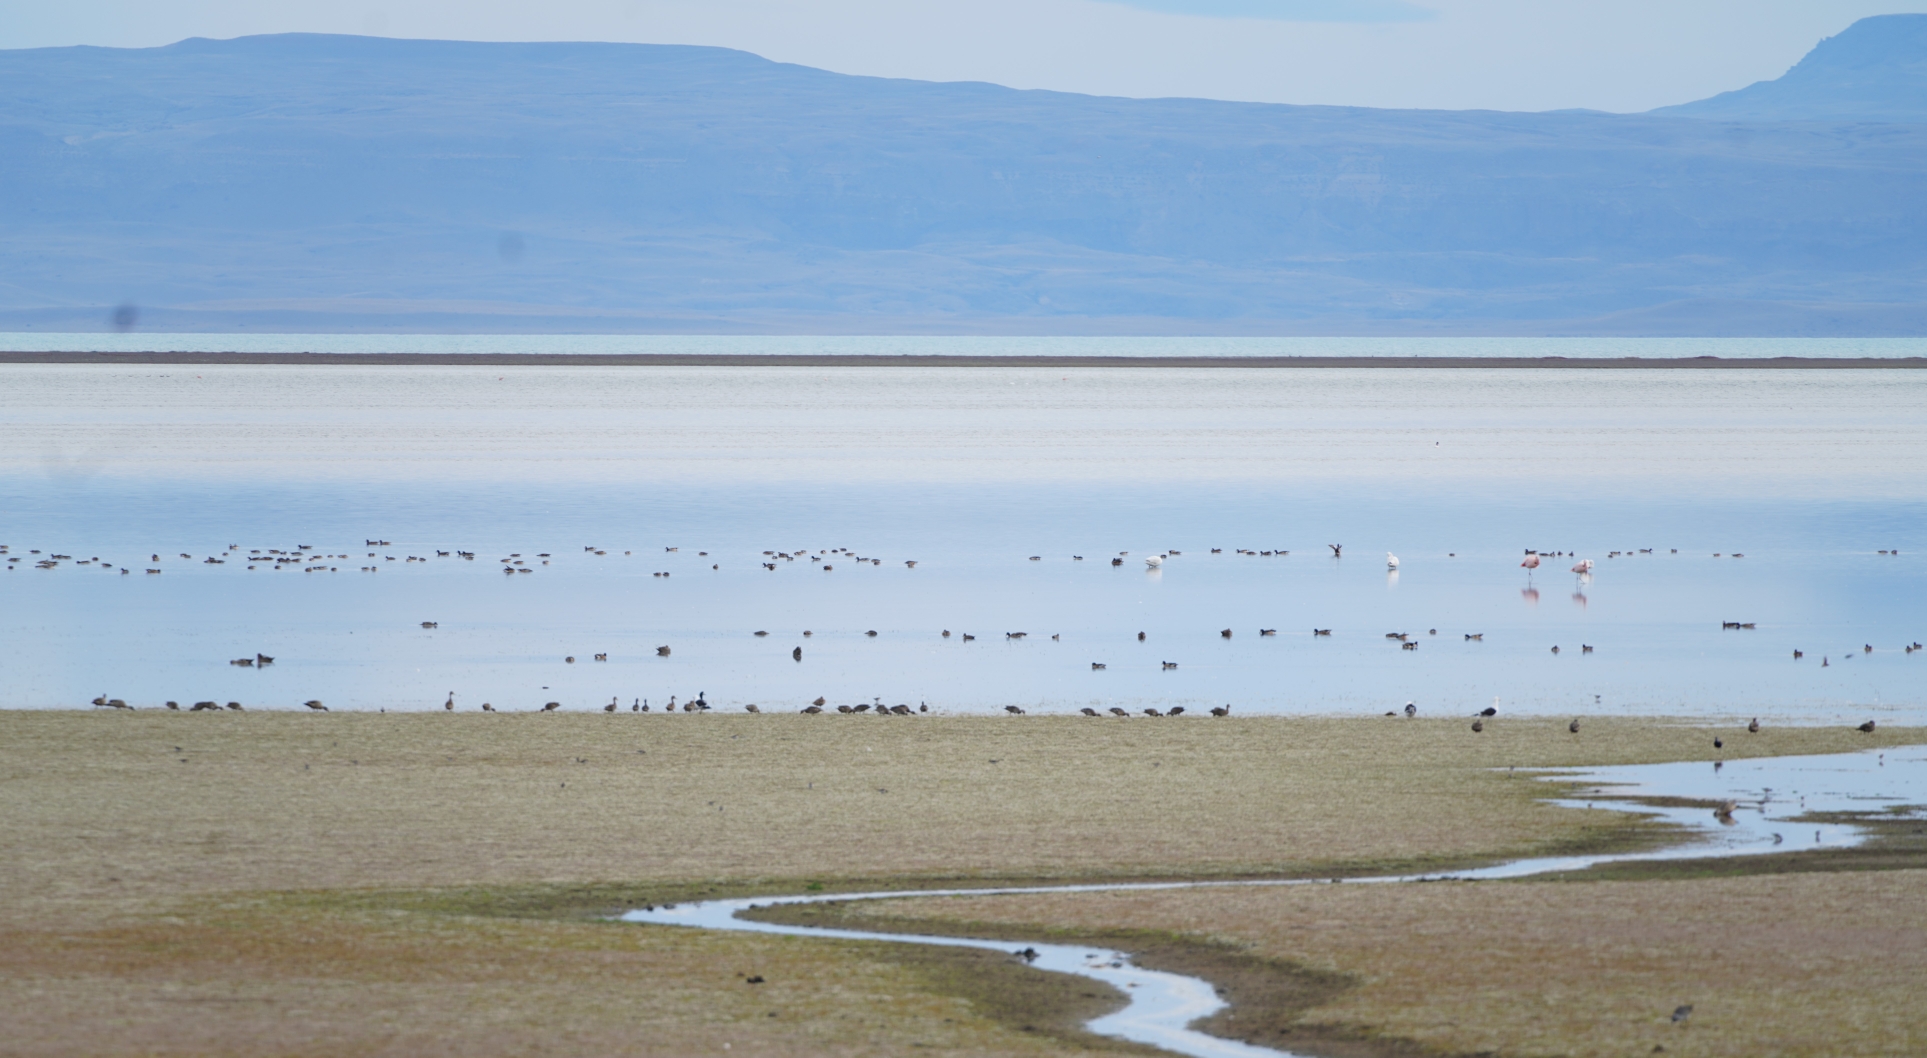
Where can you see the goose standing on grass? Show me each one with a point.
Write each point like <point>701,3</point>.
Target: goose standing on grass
<point>450,704</point>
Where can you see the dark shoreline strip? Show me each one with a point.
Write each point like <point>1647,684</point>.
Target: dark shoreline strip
<point>1695,363</point>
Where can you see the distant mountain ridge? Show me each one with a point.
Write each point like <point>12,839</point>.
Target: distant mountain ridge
<point>1874,70</point>
<point>306,182</point>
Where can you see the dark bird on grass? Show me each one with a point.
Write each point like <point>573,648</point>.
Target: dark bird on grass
<point>844,709</point>
<point>102,700</point>
<point>1176,710</point>
<point>1152,712</point>
<point>1411,708</point>
<point>1221,710</point>
<point>316,705</point>
<point>611,707</point>
<point>487,708</point>
<point>1754,727</point>
<point>864,708</point>
<point>1718,743</point>
<point>751,708</point>
<point>1115,711</point>
<point>901,710</point>
<point>236,706</point>
<point>1574,726</point>
<point>176,706</point>
<point>202,706</point>
<point>812,709</point>
<point>1867,727</point>
<point>551,707</point>
<point>797,654</point>
<point>820,701</point>
<point>1088,711</point>
<point>1490,710</point>
<point>1681,1013</point>
<point>1478,725</point>
<point>1013,710</point>
<point>450,704</point>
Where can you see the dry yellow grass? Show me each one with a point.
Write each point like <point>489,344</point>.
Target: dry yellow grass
<point>139,847</point>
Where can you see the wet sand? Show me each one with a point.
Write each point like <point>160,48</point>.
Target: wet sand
<point>1508,363</point>
<point>424,884</point>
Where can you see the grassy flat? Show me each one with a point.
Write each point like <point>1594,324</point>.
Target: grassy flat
<point>416,883</point>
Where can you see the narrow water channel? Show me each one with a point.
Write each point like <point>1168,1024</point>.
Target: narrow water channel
<point>1773,797</point>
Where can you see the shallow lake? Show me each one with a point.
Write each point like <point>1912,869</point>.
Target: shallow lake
<point>1766,498</point>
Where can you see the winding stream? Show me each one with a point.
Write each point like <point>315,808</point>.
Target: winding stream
<point>1772,793</point>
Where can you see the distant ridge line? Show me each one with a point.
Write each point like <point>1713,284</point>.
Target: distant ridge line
<point>1692,363</point>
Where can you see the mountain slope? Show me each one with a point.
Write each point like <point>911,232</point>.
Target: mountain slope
<point>320,182</point>
<point>1874,70</point>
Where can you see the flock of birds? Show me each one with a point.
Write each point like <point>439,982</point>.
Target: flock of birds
<point>306,558</point>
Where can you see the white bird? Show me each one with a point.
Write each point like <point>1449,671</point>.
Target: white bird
<point>1584,565</point>
<point>1391,560</point>
<point>1154,561</point>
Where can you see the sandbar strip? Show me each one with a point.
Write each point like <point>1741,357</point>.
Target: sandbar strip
<point>1487,363</point>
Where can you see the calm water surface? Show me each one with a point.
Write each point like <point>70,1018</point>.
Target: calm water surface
<point>969,472</point>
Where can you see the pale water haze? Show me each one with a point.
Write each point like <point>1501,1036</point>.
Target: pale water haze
<point>1765,497</point>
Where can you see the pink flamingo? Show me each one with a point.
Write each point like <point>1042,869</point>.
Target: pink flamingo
<point>1531,563</point>
<point>1583,566</point>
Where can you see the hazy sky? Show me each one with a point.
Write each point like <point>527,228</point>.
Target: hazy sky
<point>1504,54</point>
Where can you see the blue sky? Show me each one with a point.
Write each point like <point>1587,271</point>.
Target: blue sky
<point>1501,54</point>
